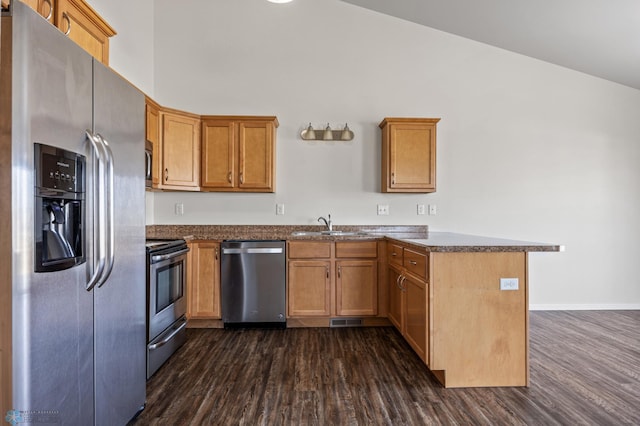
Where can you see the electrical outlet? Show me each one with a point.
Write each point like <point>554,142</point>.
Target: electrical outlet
<point>421,209</point>
<point>508,283</point>
<point>383,209</point>
<point>433,210</point>
<point>179,209</point>
<point>279,209</point>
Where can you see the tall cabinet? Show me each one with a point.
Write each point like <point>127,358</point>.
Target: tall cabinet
<point>409,154</point>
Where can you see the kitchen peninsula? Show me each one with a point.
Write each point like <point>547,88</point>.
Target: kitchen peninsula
<point>460,301</point>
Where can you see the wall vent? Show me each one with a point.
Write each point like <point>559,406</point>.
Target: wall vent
<point>346,322</point>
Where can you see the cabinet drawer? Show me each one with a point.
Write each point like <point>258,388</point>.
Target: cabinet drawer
<point>394,254</point>
<point>415,263</point>
<point>309,250</point>
<point>357,249</point>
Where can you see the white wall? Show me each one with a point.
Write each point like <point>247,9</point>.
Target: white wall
<point>131,49</point>
<point>526,149</point>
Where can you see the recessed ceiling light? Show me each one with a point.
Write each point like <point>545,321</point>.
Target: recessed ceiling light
<point>280,1</point>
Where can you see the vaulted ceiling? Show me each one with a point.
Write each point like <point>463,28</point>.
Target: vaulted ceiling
<point>597,37</point>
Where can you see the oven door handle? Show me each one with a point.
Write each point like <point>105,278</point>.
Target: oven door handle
<point>168,338</point>
<point>161,257</point>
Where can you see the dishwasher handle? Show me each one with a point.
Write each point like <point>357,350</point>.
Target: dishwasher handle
<point>254,250</point>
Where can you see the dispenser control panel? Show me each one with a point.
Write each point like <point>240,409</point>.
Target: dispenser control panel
<point>59,169</point>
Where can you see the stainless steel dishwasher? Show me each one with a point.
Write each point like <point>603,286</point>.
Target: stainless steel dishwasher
<point>253,278</point>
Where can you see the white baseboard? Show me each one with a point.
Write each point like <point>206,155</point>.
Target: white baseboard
<point>585,307</point>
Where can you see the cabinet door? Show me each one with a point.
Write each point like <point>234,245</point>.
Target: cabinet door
<point>409,155</point>
<point>218,155</point>
<point>43,7</point>
<point>416,315</point>
<point>356,287</point>
<point>153,136</point>
<point>309,288</point>
<point>84,26</point>
<point>256,156</point>
<point>204,292</point>
<point>180,150</point>
<point>395,298</point>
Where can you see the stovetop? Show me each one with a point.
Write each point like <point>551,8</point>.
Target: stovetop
<point>163,244</point>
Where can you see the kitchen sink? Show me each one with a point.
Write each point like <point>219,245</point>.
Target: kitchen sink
<point>328,233</point>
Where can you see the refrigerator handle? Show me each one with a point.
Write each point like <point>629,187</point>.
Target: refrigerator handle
<point>97,184</point>
<point>109,209</point>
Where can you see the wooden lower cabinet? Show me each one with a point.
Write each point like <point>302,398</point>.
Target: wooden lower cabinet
<point>356,287</point>
<point>416,329</point>
<point>468,331</point>
<point>409,308</point>
<point>203,281</point>
<point>395,298</point>
<point>309,288</point>
<point>332,279</point>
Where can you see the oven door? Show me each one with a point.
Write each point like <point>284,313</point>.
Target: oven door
<point>167,293</point>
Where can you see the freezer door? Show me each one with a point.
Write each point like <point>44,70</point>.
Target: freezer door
<point>120,303</point>
<point>52,311</point>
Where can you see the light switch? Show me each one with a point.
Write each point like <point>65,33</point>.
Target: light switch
<point>421,209</point>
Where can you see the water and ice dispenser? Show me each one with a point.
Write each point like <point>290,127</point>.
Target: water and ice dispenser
<point>59,208</point>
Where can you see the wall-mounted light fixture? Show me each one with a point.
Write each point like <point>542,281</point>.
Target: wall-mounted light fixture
<point>310,134</point>
<point>280,1</point>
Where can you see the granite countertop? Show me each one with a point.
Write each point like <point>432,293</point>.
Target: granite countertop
<point>284,232</point>
<point>452,242</point>
<point>417,235</point>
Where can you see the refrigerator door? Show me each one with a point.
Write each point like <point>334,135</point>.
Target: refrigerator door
<point>52,312</point>
<point>120,303</point>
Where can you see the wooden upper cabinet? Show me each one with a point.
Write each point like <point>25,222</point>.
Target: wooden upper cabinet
<point>218,154</point>
<point>43,7</point>
<point>409,154</point>
<point>180,150</point>
<point>79,22</point>
<point>238,153</point>
<point>84,26</point>
<point>152,131</point>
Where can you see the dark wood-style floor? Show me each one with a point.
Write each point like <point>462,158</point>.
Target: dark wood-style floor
<point>585,369</point>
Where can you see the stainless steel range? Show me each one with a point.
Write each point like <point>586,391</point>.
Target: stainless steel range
<point>166,300</point>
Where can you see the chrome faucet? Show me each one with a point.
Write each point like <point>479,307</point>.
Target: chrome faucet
<point>327,223</point>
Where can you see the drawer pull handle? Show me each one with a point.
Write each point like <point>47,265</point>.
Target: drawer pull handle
<point>66,18</point>
<point>48,3</point>
<point>394,254</point>
<point>166,175</point>
<point>413,262</point>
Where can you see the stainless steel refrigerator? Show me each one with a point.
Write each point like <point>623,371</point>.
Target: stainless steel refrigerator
<point>78,329</point>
